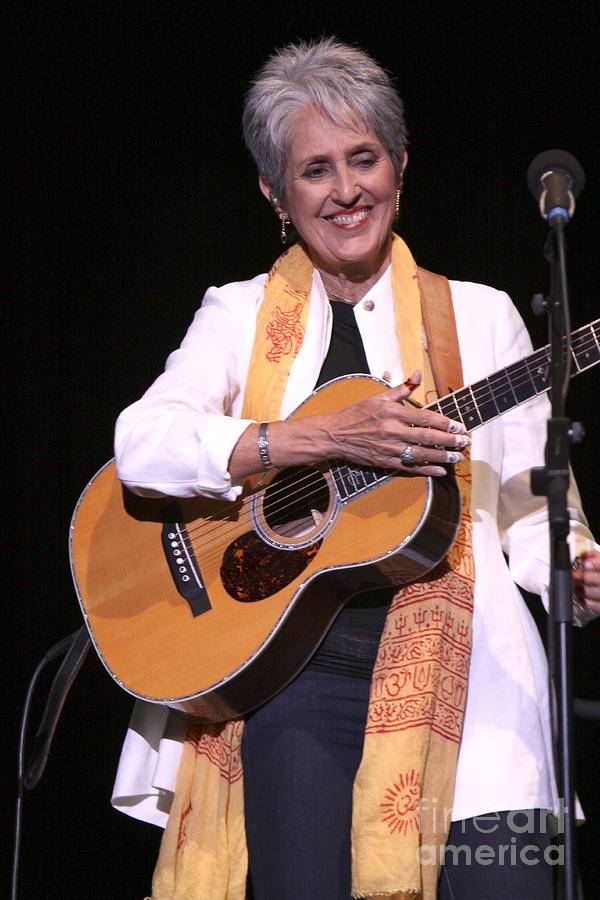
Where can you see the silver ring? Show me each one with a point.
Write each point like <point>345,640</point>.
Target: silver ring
<point>407,456</point>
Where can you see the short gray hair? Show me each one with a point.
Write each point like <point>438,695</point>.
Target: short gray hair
<point>345,83</point>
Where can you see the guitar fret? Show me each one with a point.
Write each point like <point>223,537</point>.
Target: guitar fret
<point>449,407</point>
<point>484,399</point>
<point>339,481</point>
<point>469,411</point>
<point>574,358</point>
<point>586,348</point>
<point>358,479</point>
<point>539,369</point>
<point>522,382</point>
<point>502,391</point>
<point>350,482</point>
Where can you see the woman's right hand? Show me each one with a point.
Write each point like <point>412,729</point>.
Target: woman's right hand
<point>375,432</point>
<point>370,432</point>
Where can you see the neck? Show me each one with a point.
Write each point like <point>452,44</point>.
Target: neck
<point>350,290</point>
<point>353,281</point>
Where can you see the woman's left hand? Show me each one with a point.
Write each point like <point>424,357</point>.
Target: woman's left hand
<point>586,581</point>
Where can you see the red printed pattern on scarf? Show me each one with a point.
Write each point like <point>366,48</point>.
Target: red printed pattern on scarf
<point>220,744</point>
<point>420,677</point>
<point>285,332</point>
<point>182,833</point>
<point>400,809</point>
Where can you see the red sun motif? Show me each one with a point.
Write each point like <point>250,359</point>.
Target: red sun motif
<point>400,809</point>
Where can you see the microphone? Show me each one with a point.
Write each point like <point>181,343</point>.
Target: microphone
<point>555,179</point>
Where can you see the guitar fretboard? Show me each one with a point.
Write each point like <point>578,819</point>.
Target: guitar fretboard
<point>489,398</point>
<point>483,401</point>
<point>351,480</point>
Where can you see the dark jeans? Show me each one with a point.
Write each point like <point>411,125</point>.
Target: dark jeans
<point>501,854</point>
<point>300,754</point>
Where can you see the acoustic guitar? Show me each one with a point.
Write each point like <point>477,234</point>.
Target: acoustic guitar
<point>213,606</point>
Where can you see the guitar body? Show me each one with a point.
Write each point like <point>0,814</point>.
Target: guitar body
<point>212,607</point>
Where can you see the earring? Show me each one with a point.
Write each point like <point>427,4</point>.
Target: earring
<point>397,203</point>
<point>283,216</point>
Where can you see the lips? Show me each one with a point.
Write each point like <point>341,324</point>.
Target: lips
<point>350,218</point>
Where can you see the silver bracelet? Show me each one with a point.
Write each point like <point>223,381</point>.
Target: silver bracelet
<point>263,445</point>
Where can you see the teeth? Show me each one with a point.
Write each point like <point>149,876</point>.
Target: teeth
<point>349,220</point>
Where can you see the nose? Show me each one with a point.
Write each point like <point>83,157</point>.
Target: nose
<point>346,191</point>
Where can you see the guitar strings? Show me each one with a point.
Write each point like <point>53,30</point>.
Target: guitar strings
<point>271,505</point>
<point>520,375</point>
<point>243,522</point>
<point>312,479</point>
<point>513,386</point>
<point>523,377</point>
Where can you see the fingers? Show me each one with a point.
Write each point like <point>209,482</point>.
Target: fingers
<point>431,436</point>
<point>384,431</point>
<point>424,418</point>
<point>402,391</point>
<point>413,457</point>
<point>586,579</point>
<point>422,428</point>
<point>591,579</point>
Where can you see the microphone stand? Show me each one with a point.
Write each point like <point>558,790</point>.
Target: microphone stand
<point>552,481</point>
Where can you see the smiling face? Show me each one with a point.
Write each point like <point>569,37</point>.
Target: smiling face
<point>340,194</point>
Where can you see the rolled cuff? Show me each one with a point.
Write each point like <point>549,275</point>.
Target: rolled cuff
<point>145,781</point>
<point>146,469</point>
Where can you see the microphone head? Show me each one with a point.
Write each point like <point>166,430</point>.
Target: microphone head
<point>554,161</point>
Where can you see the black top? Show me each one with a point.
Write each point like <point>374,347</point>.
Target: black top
<point>350,646</point>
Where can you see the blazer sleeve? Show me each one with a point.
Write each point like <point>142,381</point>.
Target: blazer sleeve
<point>178,437</point>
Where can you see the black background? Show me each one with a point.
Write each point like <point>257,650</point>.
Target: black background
<point>130,191</point>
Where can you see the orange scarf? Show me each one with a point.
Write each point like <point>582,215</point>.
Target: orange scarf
<point>404,786</point>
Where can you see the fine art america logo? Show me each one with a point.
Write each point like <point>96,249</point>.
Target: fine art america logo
<point>511,851</point>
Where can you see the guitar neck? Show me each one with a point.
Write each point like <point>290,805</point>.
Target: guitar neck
<point>491,397</point>
<point>483,401</point>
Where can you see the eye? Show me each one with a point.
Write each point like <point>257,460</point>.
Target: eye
<point>366,162</point>
<point>314,172</point>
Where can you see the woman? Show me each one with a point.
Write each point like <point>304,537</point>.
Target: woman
<point>354,772</point>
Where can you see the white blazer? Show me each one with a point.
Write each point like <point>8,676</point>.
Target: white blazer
<point>177,440</point>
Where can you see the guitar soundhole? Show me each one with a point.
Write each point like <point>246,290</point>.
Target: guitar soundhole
<point>291,512</point>
<point>295,502</point>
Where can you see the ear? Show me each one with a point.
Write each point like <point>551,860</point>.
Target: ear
<point>265,188</point>
<point>404,162</point>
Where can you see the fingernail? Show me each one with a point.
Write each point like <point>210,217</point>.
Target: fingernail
<point>463,440</point>
<point>437,470</point>
<point>455,457</point>
<point>456,428</point>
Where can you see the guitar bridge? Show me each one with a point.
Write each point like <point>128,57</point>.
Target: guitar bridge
<point>183,565</point>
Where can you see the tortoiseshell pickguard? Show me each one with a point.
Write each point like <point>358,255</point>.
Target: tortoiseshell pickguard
<point>253,570</point>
